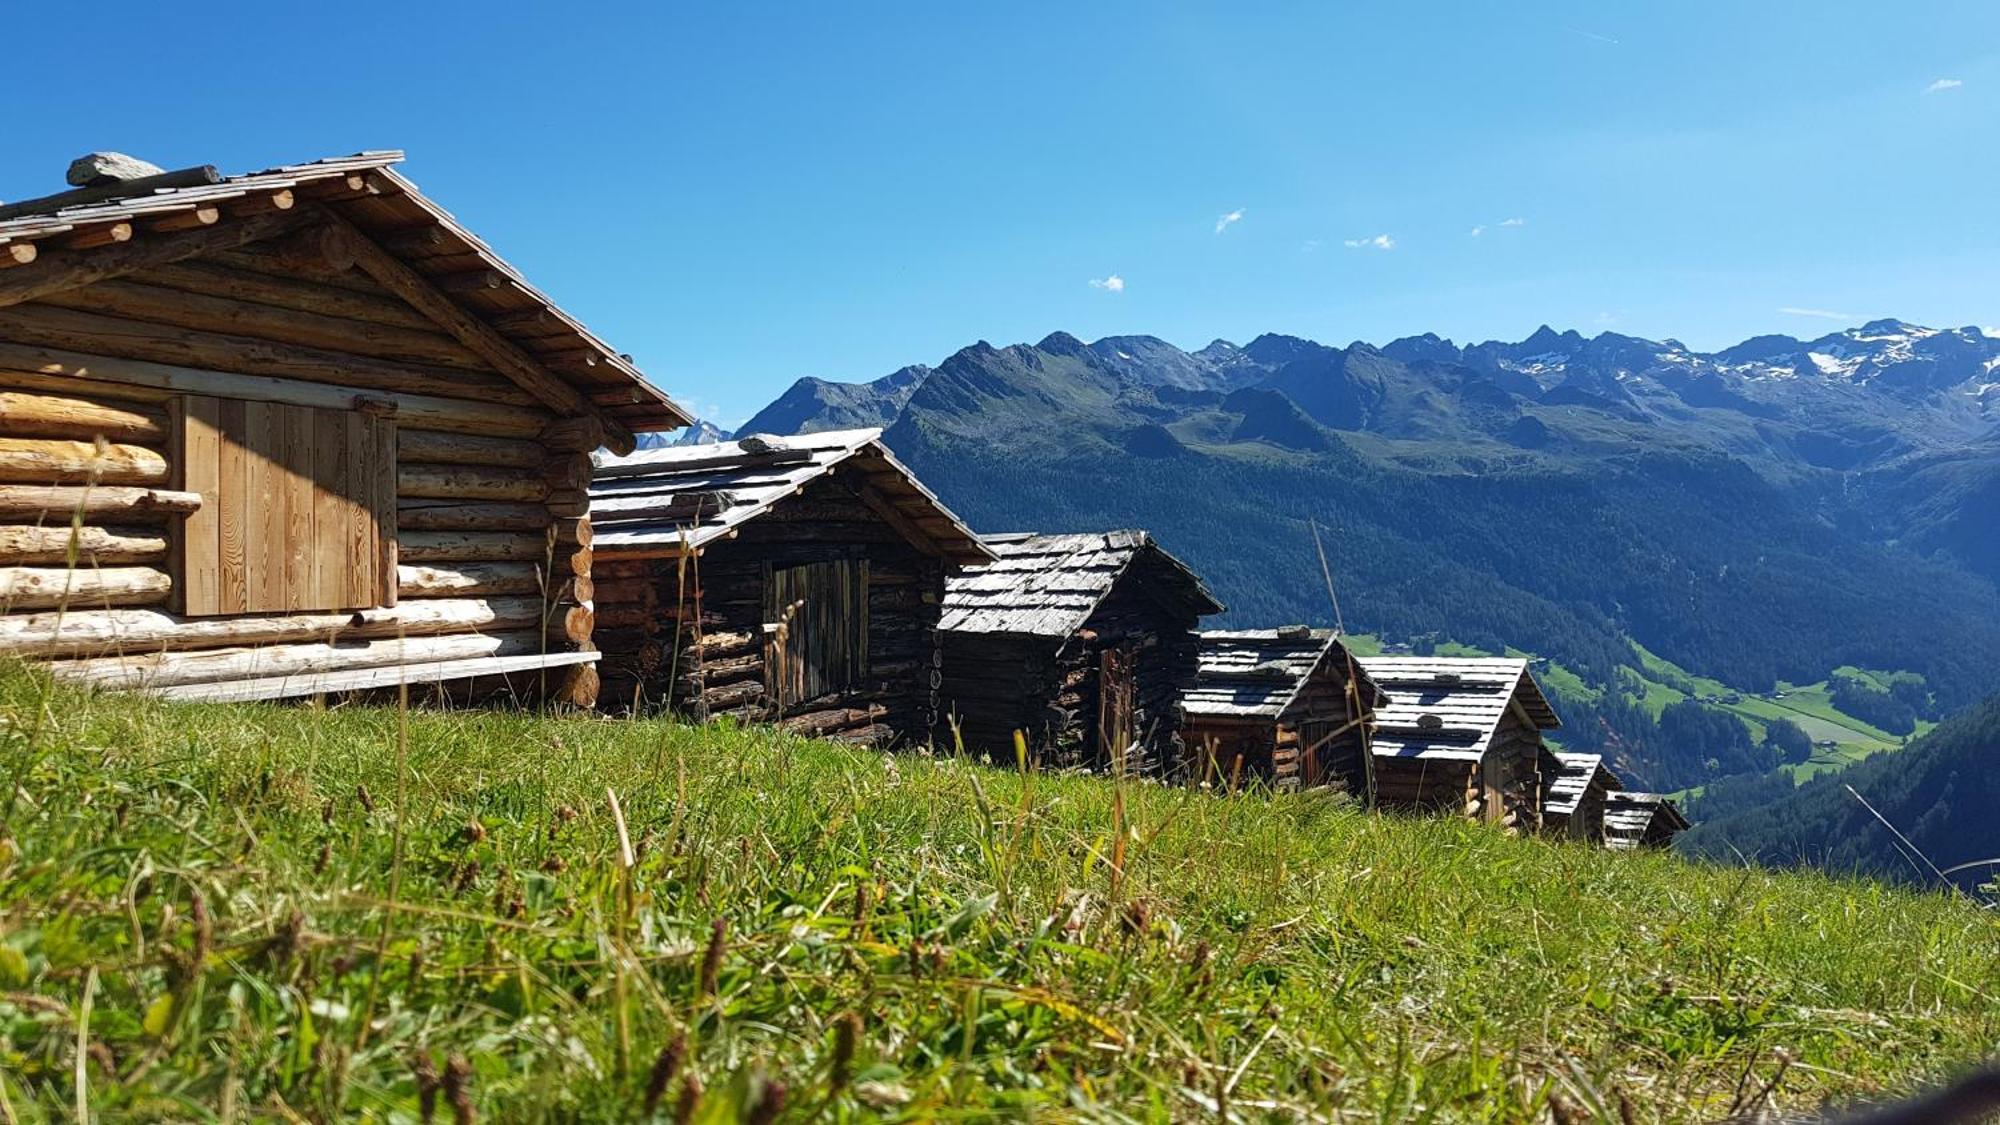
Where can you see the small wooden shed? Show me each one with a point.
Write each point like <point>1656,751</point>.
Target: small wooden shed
<point>1289,706</point>
<point>1641,820</point>
<point>796,580</point>
<point>1462,735</point>
<point>318,437</point>
<point>1573,798</point>
<point>1082,642</point>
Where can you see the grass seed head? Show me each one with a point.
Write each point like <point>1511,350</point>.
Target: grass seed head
<point>768,1103</point>
<point>711,958</point>
<point>689,1101</point>
<point>425,1068</point>
<point>367,802</point>
<point>665,1068</point>
<point>846,1037</point>
<point>458,1090</point>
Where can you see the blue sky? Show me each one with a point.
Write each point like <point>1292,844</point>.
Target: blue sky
<point>743,194</point>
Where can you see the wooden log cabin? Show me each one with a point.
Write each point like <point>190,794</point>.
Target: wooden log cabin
<point>314,434</point>
<point>1641,820</point>
<point>1083,643</point>
<point>1288,706</point>
<point>793,580</point>
<point>1573,798</point>
<point>1462,735</point>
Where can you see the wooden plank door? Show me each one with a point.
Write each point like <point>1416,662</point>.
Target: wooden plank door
<point>817,623</point>
<point>1116,689</point>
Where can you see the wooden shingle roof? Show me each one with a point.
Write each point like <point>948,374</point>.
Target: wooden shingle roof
<point>72,238</point>
<point>1578,772</point>
<point>661,502</point>
<point>1449,708</point>
<point>1628,817</point>
<point>1258,673</point>
<point>1048,585</point>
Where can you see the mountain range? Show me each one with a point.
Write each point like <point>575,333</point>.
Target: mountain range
<point>1770,511</point>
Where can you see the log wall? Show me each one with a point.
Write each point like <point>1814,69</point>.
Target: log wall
<point>1226,752</point>
<point>492,547</point>
<point>1048,690</point>
<point>690,635</point>
<point>1313,743</point>
<point>1504,787</point>
<point>1428,785</point>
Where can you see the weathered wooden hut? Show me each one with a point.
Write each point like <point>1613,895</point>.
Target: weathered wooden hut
<point>1641,820</point>
<point>795,580</point>
<point>316,436</point>
<point>1083,643</point>
<point>1289,706</point>
<point>1462,735</point>
<point>1573,798</point>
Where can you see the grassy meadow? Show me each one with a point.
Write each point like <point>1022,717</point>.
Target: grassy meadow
<point>281,913</point>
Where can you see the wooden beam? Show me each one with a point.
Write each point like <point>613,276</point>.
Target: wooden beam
<point>280,687</point>
<point>51,326</point>
<point>19,253</point>
<point>236,318</point>
<point>99,234</point>
<point>82,632</point>
<point>907,528</point>
<point>215,279</point>
<point>476,334</point>
<point>193,218</point>
<point>67,269</point>
<point>37,366</point>
<point>22,501</point>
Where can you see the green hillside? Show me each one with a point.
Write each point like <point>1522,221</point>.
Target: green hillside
<point>1939,793</point>
<point>274,912</point>
<point>1654,684</point>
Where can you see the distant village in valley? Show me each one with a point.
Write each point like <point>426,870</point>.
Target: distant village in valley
<point>299,434</point>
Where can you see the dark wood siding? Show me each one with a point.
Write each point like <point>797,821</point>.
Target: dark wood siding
<point>692,636</point>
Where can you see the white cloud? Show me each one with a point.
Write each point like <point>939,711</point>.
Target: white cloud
<point>1822,314</point>
<point>1309,246</point>
<point>1483,228</point>
<point>1943,84</point>
<point>1379,242</point>
<point>1224,222</point>
<point>1591,35</point>
<point>1513,222</point>
<point>1478,230</point>
<point>1112,284</point>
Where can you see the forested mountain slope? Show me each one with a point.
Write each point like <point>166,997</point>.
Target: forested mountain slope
<point>1942,792</point>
